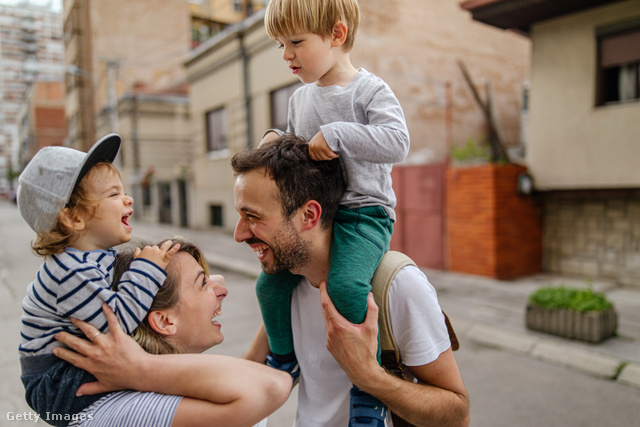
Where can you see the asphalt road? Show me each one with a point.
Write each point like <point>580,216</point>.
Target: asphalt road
<point>506,389</point>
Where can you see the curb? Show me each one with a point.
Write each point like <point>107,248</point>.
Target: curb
<point>588,362</point>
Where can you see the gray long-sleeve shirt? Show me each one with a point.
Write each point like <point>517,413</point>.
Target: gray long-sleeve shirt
<point>365,124</point>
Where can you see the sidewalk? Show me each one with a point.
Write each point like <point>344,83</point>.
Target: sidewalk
<point>489,312</point>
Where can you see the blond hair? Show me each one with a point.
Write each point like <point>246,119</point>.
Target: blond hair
<point>167,297</point>
<point>289,17</point>
<point>55,241</point>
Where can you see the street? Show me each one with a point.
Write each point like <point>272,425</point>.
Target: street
<point>506,389</point>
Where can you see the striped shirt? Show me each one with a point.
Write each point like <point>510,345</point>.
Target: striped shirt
<point>129,409</point>
<point>132,409</point>
<point>75,284</point>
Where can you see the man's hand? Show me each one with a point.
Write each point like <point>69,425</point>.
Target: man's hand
<point>353,346</point>
<point>161,256</point>
<point>319,149</point>
<point>112,358</point>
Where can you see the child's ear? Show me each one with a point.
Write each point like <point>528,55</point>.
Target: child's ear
<point>339,34</point>
<point>71,219</point>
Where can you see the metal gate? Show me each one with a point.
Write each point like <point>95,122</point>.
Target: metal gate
<point>419,227</point>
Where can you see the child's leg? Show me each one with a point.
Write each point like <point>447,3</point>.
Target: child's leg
<point>274,297</point>
<point>53,391</point>
<point>360,239</point>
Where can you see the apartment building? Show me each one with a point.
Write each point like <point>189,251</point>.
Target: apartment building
<point>583,131</point>
<point>31,50</point>
<point>125,63</point>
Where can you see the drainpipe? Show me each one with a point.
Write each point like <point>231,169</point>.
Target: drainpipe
<point>247,91</point>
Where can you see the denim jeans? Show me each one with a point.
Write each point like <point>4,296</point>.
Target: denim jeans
<point>50,387</point>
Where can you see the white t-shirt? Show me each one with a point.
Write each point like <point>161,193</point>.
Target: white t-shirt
<point>418,326</point>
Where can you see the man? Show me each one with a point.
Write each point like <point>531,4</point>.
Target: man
<point>286,203</point>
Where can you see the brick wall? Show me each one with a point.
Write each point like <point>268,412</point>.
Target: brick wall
<point>593,237</point>
<point>491,229</point>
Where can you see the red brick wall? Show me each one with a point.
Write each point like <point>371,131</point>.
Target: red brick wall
<point>491,229</point>
<point>50,126</point>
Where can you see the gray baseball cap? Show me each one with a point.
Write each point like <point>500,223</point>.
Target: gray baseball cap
<point>46,184</point>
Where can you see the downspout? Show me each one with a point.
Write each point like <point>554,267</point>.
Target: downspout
<point>246,88</point>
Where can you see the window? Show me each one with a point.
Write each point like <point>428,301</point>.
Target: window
<point>215,215</point>
<point>280,105</point>
<point>216,130</point>
<point>619,64</point>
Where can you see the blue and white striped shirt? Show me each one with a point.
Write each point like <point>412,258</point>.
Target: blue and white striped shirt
<point>132,409</point>
<point>129,409</point>
<point>75,284</point>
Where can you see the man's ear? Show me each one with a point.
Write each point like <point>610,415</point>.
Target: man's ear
<point>339,34</point>
<point>311,211</point>
<point>163,322</point>
<point>71,219</point>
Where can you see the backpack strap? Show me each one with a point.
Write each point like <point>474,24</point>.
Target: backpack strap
<point>390,264</point>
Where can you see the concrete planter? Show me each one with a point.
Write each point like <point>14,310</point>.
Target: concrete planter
<point>589,326</point>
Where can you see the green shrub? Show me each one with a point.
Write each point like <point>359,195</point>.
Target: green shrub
<point>568,298</point>
<point>471,151</point>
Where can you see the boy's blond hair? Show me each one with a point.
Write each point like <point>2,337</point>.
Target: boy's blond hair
<point>289,17</point>
<point>61,236</point>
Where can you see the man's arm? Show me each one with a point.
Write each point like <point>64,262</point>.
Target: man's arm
<point>439,400</point>
<point>259,347</point>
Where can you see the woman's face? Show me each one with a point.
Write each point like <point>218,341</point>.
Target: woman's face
<point>199,303</point>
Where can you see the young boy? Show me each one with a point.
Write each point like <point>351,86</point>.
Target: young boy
<point>348,113</point>
<point>75,202</point>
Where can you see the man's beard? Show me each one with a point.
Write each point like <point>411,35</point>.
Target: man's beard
<point>289,251</point>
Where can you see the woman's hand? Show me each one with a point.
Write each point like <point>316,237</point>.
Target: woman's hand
<point>112,358</point>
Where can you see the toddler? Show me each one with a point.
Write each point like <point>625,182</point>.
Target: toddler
<point>75,202</point>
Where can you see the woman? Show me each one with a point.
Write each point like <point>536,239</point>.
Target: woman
<point>218,390</point>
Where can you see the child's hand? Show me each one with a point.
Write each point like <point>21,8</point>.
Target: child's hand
<point>158,255</point>
<point>269,136</point>
<point>319,149</point>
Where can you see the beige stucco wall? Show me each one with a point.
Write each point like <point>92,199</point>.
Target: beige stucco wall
<point>162,126</point>
<point>572,143</point>
<point>216,81</point>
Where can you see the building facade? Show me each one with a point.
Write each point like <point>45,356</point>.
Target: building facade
<point>41,121</point>
<point>583,132</point>
<point>31,50</point>
<point>109,49</point>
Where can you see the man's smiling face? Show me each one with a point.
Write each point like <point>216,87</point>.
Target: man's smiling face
<point>263,226</point>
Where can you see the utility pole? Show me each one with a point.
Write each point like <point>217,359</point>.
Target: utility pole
<point>112,102</point>
<point>112,95</point>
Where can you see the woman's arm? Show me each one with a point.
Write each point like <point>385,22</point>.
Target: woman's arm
<point>227,390</point>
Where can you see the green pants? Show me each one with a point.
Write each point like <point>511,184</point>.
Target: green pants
<point>360,239</point>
